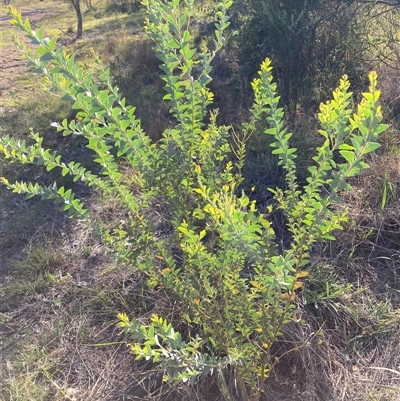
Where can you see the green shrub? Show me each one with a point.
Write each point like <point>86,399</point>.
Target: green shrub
<point>220,262</point>
<point>123,6</point>
<point>311,44</point>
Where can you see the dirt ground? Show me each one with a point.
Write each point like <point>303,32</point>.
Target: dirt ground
<point>12,66</point>
<point>62,334</point>
<point>11,63</point>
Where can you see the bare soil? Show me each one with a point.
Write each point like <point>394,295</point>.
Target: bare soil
<point>11,63</point>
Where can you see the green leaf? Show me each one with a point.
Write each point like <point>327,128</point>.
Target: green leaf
<point>370,147</point>
<point>47,57</point>
<point>345,146</point>
<point>173,44</point>
<point>348,155</point>
<point>186,36</point>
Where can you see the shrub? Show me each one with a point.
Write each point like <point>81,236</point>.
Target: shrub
<point>310,42</point>
<point>220,262</point>
<point>124,6</point>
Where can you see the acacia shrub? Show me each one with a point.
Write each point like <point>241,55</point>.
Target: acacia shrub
<point>220,262</point>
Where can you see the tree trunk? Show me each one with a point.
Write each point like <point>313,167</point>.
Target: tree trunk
<point>77,7</point>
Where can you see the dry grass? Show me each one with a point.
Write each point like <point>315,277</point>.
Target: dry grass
<point>361,323</point>
<point>59,303</point>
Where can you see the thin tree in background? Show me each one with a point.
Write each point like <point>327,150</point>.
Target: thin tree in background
<point>77,7</point>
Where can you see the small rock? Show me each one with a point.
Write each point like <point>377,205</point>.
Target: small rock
<point>70,394</point>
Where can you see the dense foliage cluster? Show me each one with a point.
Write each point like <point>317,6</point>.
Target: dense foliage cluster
<point>220,261</point>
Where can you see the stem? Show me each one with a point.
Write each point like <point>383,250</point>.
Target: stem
<point>263,376</point>
<point>242,386</point>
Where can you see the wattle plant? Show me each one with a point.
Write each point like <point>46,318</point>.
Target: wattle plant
<point>220,262</point>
